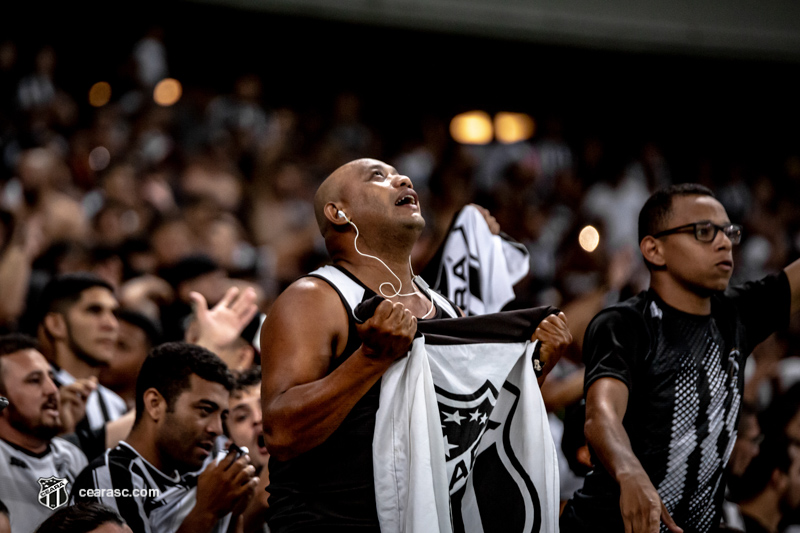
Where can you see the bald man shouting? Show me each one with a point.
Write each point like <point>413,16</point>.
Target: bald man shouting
<point>322,369</point>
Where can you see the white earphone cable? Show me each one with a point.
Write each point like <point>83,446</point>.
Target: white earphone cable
<point>380,287</point>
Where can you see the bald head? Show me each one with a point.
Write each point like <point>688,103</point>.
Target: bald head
<point>330,191</point>
<point>373,195</point>
<point>334,189</point>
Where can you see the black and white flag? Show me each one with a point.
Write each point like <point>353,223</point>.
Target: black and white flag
<point>475,269</point>
<point>462,442</point>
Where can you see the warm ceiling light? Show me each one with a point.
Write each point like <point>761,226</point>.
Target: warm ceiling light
<point>513,127</point>
<point>167,92</point>
<point>100,94</point>
<point>472,127</point>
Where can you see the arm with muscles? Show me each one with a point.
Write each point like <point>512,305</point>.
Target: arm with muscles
<point>224,487</point>
<point>306,328</point>
<point>641,506</point>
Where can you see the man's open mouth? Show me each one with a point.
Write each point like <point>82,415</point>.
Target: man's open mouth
<point>408,199</point>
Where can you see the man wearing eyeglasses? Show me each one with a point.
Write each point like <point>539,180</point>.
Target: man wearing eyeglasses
<point>665,373</point>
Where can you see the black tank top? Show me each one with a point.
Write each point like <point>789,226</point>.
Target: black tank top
<point>331,487</point>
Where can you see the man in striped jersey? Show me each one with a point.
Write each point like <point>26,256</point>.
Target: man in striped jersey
<point>156,478</point>
<point>36,467</point>
<point>78,333</point>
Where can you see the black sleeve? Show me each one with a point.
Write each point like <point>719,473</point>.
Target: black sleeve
<point>615,339</point>
<point>763,307</point>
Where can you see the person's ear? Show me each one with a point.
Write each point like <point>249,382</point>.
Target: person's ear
<point>154,404</point>
<point>653,251</point>
<point>55,325</point>
<point>779,480</point>
<point>335,214</point>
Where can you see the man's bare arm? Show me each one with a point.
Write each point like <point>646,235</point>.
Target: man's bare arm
<point>640,504</point>
<point>305,329</point>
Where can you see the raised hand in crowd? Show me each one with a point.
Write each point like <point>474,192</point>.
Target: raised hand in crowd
<point>73,402</point>
<point>217,328</point>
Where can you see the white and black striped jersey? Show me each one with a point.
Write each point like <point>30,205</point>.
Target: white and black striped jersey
<point>685,379</point>
<point>103,405</point>
<point>149,500</point>
<point>34,485</point>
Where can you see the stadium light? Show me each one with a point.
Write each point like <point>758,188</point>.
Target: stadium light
<point>100,94</point>
<point>167,92</point>
<point>472,127</point>
<point>513,127</point>
<point>589,238</point>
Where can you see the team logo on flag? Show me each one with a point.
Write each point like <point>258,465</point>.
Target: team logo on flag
<point>53,492</point>
<point>464,419</point>
<point>488,483</point>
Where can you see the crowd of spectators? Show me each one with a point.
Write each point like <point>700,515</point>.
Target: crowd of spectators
<point>216,191</point>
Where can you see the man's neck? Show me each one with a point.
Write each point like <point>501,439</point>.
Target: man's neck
<point>145,445</point>
<point>23,440</point>
<point>378,279</point>
<point>764,509</point>
<point>680,297</point>
<point>77,367</point>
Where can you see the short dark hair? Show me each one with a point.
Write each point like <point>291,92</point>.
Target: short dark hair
<point>64,290</point>
<point>82,517</point>
<point>657,208</point>
<point>150,327</point>
<point>247,378</point>
<point>13,343</point>
<point>168,367</point>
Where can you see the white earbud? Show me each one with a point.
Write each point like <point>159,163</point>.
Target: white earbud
<point>340,214</point>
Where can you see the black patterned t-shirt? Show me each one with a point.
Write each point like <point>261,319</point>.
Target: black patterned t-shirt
<point>685,376</point>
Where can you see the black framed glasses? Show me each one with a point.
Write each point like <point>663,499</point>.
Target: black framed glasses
<point>706,231</point>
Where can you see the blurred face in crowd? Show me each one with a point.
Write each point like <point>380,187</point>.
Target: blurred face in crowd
<point>33,398</point>
<point>747,445</point>
<point>191,423</point>
<point>245,424</point>
<point>702,267</point>
<point>92,327</point>
<point>129,353</point>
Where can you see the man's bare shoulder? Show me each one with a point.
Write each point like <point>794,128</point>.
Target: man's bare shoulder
<point>305,293</point>
<point>309,305</point>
